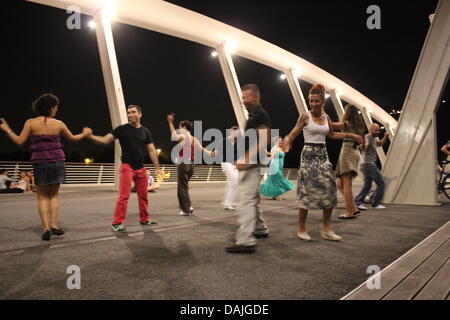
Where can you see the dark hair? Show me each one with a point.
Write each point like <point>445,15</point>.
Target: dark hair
<point>318,89</point>
<point>44,104</point>
<point>234,128</point>
<point>2,171</point>
<point>251,87</point>
<point>353,116</point>
<point>186,124</point>
<point>139,109</point>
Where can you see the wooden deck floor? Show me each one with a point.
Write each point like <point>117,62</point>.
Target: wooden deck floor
<point>423,273</point>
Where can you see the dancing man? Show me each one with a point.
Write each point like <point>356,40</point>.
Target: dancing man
<point>136,142</point>
<point>250,215</point>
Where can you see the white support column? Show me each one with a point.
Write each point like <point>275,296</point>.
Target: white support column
<point>296,91</point>
<point>232,82</point>
<point>111,76</point>
<point>337,103</point>
<point>368,121</point>
<point>411,161</point>
<point>390,129</point>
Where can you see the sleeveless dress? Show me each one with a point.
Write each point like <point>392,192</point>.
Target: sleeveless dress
<point>316,183</point>
<point>276,184</point>
<point>349,156</point>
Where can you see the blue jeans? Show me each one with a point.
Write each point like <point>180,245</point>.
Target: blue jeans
<point>371,173</point>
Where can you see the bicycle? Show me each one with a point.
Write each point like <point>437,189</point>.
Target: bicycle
<point>444,179</point>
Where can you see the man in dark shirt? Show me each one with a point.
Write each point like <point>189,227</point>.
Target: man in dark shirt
<point>250,217</point>
<point>136,142</point>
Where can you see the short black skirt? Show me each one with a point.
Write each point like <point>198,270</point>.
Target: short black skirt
<point>49,173</point>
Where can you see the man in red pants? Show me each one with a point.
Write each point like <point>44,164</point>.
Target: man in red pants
<point>136,142</point>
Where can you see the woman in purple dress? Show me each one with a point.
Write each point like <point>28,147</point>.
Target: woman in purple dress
<point>47,157</point>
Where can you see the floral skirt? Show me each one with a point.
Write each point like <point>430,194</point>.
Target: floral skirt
<point>316,184</point>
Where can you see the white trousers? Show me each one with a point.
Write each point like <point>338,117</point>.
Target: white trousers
<point>232,182</point>
<point>250,215</point>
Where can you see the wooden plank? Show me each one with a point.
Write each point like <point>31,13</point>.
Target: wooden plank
<point>400,268</point>
<point>439,286</point>
<point>415,281</point>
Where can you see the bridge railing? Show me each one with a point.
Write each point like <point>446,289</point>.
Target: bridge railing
<point>95,174</point>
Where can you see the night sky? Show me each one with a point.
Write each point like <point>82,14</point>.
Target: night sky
<point>165,74</point>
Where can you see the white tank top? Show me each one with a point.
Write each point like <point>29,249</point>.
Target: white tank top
<point>315,133</point>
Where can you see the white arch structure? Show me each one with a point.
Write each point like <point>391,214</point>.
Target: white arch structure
<point>167,18</point>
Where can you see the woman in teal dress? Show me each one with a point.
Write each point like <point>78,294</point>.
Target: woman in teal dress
<point>276,184</point>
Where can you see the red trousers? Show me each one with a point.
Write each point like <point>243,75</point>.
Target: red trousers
<point>126,175</point>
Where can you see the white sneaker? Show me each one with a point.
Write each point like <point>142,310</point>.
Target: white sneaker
<point>379,207</point>
<point>330,235</point>
<point>182,213</point>
<point>230,208</point>
<point>304,236</point>
<point>361,207</point>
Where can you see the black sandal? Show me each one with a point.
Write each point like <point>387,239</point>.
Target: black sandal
<point>46,235</point>
<point>58,232</point>
<point>344,217</point>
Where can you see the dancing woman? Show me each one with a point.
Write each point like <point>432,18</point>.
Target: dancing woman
<point>347,166</point>
<point>47,157</point>
<point>316,188</point>
<point>276,184</point>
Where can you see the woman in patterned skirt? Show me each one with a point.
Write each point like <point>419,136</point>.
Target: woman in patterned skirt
<point>316,188</point>
<point>347,166</point>
<point>47,157</point>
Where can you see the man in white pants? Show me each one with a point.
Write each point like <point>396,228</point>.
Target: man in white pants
<point>250,216</point>
<point>227,152</point>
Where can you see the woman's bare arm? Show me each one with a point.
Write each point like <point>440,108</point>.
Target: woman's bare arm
<point>24,135</point>
<point>301,123</point>
<point>67,134</point>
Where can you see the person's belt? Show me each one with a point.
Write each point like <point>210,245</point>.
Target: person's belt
<point>315,144</point>
<point>352,142</point>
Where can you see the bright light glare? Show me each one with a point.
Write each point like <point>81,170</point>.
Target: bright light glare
<point>283,76</point>
<point>109,10</point>
<point>214,54</point>
<point>327,95</point>
<point>158,151</point>
<point>92,24</point>
<point>230,46</point>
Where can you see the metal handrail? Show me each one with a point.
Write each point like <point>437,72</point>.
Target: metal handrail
<point>103,173</point>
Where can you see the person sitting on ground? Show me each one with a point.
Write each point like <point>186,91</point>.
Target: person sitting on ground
<point>7,184</point>
<point>24,182</point>
<point>152,184</point>
<point>30,177</point>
